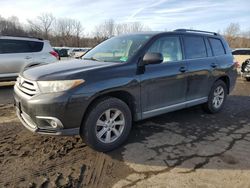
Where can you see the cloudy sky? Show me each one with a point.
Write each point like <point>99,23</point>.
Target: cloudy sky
<point>157,14</point>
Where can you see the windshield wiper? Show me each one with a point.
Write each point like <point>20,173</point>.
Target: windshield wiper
<point>91,58</point>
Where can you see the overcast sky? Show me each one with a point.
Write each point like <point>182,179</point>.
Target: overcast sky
<point>157,14</point>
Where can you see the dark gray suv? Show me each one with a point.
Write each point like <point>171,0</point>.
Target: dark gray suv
<point>125,79</point>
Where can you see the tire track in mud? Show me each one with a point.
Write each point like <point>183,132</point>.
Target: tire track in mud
<point>50,161</point>
<point>94,176</point>
<point>41,171</point>
<point>91,175</point>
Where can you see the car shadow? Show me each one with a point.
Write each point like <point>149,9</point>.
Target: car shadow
<point>191,139</point>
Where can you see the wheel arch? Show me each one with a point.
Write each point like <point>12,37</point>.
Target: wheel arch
<point>226,80</point>
<point>125,96</point>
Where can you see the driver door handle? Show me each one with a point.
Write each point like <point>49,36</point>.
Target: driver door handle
<point>214,65</point>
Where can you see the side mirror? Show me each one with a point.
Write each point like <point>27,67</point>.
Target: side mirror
<point>152,58</point>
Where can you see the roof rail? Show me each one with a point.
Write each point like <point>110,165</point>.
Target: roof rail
<point>23,36</point>
<point>196,31</point>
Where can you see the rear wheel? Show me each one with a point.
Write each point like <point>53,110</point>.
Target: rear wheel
<point>248,79</point>
<point>216,98</point>
<point>107,124</point>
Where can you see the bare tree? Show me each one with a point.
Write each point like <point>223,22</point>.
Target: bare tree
<point>130,27</point>
<point>11,26</point>
<point>109,28</point>
<point>233,29</point>
<point>42,24</point>
<point>78,31</point>
<point>69,31</point>
<point>231,33</point>
<point>105,30</point>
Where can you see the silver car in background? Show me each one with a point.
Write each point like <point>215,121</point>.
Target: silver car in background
<point>20,53</point>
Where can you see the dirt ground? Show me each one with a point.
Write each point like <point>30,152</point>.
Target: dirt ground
<point>187,148</point>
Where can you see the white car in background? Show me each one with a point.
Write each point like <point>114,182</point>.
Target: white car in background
<point>19,53</point>
<point>78,52</point>
<point>240,56</point>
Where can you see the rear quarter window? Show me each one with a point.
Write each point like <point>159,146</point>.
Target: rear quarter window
<point>36,46</point>
<point>194,47</point>
<point>19,46</point>
<point>217,46</point>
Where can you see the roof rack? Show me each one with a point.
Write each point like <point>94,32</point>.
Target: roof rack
<point>196,31</point>
<point>23,36</point>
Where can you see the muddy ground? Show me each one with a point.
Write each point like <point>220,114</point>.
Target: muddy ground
<point>187,148</point>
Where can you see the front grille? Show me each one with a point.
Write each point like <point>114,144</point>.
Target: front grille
<point>26,86</point>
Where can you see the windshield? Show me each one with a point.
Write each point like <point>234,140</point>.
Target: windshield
<point>117,49</point>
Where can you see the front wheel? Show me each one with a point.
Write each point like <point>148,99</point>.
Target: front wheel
<point>107,124</point>
<point>216,98</point>
<point>248,79</point>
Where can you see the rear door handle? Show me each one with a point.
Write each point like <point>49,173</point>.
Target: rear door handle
<point>214,65</point>
<point>183,69</point>
<point>28,57</point>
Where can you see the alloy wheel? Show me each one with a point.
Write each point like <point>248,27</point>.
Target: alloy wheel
<point>110,125</point>
<point>219,95</point>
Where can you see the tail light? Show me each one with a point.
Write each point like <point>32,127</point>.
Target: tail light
<point>55,54</point>
<point>236,64</point>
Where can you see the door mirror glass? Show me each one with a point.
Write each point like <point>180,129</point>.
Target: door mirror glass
<point>152,58</point>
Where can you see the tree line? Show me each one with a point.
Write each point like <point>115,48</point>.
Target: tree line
<point>66,31</point>
<point>235,37</point>
<point>70,32</point>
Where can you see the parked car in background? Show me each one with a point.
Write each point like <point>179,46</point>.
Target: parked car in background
<point>58,52</point>
<point>20,53</point>
<point>79,52</point>
<point>124,79</point>
<point>240,56</point>
<point>62,51</point>
<point>245,69</point>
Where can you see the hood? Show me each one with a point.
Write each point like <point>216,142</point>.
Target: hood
<point>62,69</point>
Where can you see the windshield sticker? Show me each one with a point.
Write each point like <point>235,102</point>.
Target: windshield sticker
<point>123,58</point>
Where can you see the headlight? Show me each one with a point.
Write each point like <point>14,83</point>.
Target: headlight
<point>58,86</point>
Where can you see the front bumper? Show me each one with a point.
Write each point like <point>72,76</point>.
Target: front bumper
<point>31,126</point>
<point>52,114</point>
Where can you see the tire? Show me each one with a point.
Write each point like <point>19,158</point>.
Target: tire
<point>248,79</point>
<point>98,129</point>
<point>213,105</point>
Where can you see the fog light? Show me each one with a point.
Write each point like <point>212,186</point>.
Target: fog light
<point>53,124</point>
<point>56,124</point>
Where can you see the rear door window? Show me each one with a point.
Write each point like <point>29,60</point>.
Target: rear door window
<point>19,46</point>
<point>194,47</point>
<point>217,46</point>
